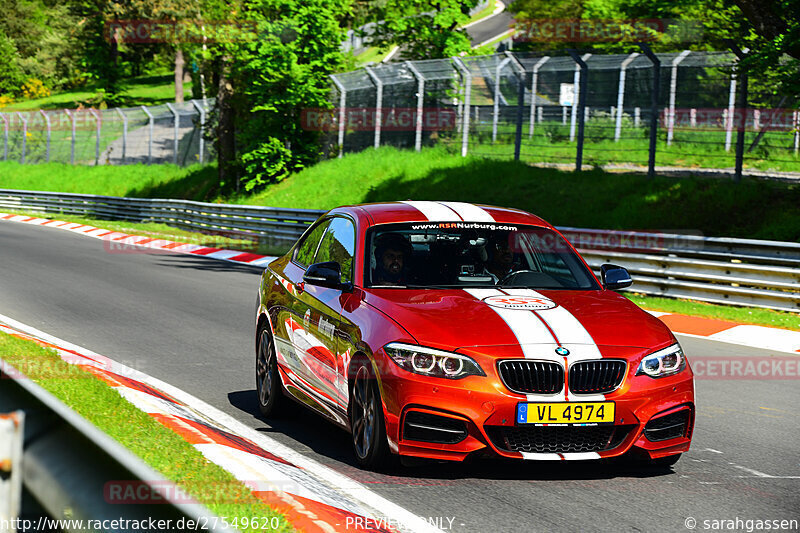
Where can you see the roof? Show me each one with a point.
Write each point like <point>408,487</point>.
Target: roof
<point>425,211</point>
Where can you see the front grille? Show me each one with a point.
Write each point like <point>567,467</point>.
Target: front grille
<point>667,427</point>
<point>532,377</point>
<point>596,377</point>
<point>427,427</point>
<point>559,439</point>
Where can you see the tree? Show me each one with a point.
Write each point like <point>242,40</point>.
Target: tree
<point>776,34</point>
<point>425,29</point>
<point>267,78</point>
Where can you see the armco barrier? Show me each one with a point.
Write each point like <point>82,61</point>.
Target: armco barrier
<point>715,269</point>
<point>66,462</point>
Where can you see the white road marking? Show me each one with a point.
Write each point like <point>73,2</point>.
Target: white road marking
<point>344,485</point>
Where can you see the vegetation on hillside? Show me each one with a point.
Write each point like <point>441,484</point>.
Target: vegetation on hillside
<point>595,199</point>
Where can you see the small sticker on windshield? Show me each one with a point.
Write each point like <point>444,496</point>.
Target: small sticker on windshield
<point>534,303</point>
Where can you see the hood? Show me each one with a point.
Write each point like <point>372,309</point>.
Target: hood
<point>453,318</point>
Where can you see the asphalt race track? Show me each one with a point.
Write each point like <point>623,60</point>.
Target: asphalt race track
<point>189,321</point>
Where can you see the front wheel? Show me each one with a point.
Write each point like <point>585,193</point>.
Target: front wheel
<point>268,382</point>
<point>366,420</point>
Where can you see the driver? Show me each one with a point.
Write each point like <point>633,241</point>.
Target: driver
<point>392,251</point>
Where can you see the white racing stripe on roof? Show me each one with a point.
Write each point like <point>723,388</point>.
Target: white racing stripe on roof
<point>434,211</point>
<point>470,212</point>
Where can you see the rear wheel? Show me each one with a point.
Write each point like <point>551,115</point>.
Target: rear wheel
<point>366,419</point>
<point>268,383</point>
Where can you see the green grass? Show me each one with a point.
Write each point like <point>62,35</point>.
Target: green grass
<point>158,446</point>
<point>162,181</point>
<point>742,315</point>
<point>483,13</point>
<point>142,90</point>
<point>591,199</point>
<point>372,55</point>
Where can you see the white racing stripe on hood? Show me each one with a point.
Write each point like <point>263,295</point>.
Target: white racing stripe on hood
<point>470,212</point>
<point>571,335</point>
<point>434,211</point>
<point>533,336</point>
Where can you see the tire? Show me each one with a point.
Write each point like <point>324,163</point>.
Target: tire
<point>268,382</point>
<point>367,425</point>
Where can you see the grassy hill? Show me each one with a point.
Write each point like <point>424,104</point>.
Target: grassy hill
<point>594,198</point>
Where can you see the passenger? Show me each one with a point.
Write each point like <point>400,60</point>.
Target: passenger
<point>501,260</point>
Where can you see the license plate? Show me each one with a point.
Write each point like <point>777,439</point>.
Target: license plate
<point>566,413</point>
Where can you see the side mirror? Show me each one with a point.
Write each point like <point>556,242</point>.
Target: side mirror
<point>327,274</point>
<point>615,277</point>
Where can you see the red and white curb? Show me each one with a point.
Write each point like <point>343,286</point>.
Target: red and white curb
<point>313,497</point>
<point>779,340</point>
<point>118,241</point>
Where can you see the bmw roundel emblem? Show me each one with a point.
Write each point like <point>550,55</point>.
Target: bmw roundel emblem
<point>562,351</point>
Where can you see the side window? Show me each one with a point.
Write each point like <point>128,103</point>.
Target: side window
<point>304,255</point>
<point>338,245</point>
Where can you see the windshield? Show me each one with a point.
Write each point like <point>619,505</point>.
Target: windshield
<point>466,254</point>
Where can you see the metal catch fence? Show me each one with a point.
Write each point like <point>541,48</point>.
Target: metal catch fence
<point>171,133</point>
<point>671,110</point>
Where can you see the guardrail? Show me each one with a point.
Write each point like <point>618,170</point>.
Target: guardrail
<point>65,462</point>
<point>745,272</point>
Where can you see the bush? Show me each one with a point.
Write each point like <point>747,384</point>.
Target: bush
<point>33,89</point>
<point>271,161</point>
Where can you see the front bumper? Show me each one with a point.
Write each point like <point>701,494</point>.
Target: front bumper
<point>450,420</point>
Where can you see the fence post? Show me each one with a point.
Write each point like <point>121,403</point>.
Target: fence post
<point>621,94</point>
<point>741,74</point>
<point>582,77</point>
<point>420,99</point>
<point>5,136</point>
<point>24,135</point>
<point>72,143</point>
<point>124,132</point>
<point>796,124</point>
<point>577,83</point>
<point>651,159</point>
<point>673,87</point>
<point>534,88</point>
<point>467,95</point>
<point>202,112</point>
<point>49,132</point>
<point>175,123</point>
<point>520,103</point>
<point>97,141</point>
<point>378,105</point>
<point>342,103</point>
<point>497,95</point>
<point>150,137</point>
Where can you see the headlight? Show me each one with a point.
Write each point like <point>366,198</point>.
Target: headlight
<point>431,362</point>
<point>664,362</point>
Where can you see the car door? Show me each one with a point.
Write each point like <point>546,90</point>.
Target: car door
<point>290,336</point>
<point>321,309</point>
